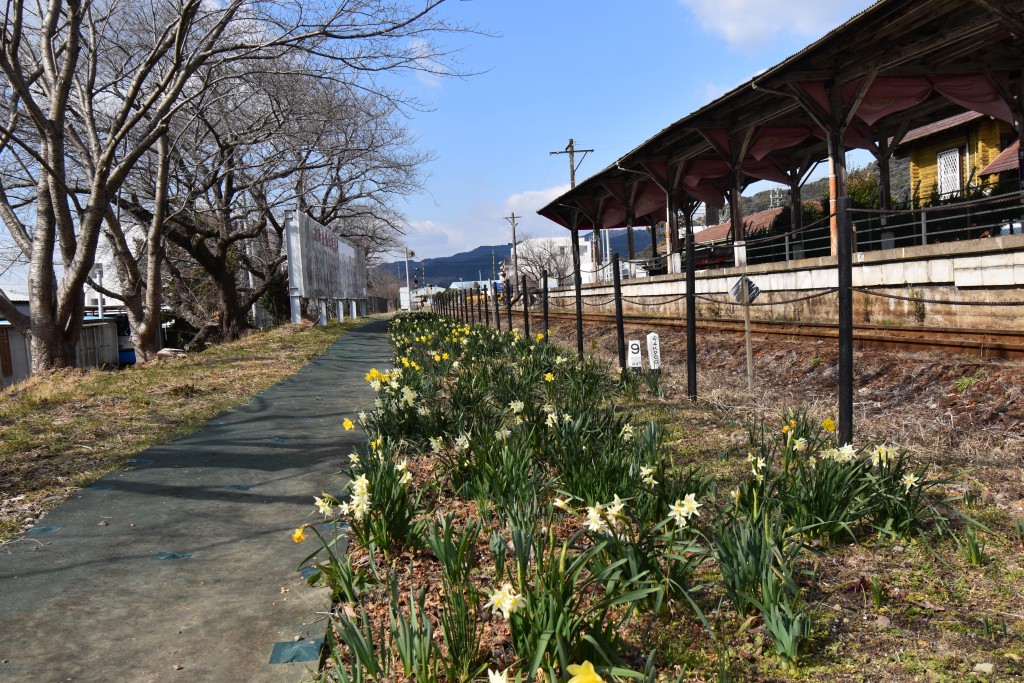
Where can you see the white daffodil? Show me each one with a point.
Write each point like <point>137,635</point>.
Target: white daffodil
<point>627,433</point>
<point>800,445</point>
<point>595,519</point>
<point>462,443</point>
<point>516,407</point>
<point>909,481</point>
<point>502,434</point>
<point>647,476</point>
<point>614,510</point>
<point>677,513</point>
<point>324,504</point>
<point>436,444</point>
<point>505,600</point>
<point>497,676</point>
<point>690,505</point>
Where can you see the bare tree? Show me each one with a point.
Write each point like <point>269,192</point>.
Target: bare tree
<point>335,152</point>
<point>90,87</point>
<point>537,254</point>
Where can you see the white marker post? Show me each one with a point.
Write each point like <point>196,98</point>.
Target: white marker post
<point>653,351</point>
<point>634,359</point>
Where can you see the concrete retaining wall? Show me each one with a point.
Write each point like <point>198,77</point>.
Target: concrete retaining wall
<point>981,270</point>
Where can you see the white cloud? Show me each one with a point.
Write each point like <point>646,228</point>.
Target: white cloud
<point>751,24</point>
<point>426,64</point>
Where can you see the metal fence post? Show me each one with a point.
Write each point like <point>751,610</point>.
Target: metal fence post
<point>526,308</point>
<point>620,332</point>
<point>691,317</point>
<point>487,307</point>
<point>545,276</point>
<point>844,259</point>
<point>497,310</point>
<point>508,303</point>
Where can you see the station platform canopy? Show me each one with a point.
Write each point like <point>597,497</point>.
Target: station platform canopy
<point>895,67</point>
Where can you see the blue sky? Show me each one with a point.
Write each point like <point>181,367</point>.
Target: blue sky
<point>607,73</point>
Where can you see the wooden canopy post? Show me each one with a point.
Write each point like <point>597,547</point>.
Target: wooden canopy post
<point>630,219</point>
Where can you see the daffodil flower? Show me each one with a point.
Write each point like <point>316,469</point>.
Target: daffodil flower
<point>497,676</point>
<point>348,425</point>
<point>324,504</point>
<point>299,535</point>
<point>909,481</point>
<point>505,600</point>
<point>690,505</point>
<point>584,673</point>
<point>595,519</point>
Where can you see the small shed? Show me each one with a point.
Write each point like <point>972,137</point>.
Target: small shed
<point>97,348</point>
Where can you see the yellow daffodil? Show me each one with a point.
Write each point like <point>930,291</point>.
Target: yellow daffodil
<point>829,425</point>
<point>584,673</point>
<point>549,377</point>
<point>348,425</point>
<point>300,535</point>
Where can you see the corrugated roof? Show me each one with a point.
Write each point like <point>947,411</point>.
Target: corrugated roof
<point>754,223</point>
<point>1006,161</point>
<point>941,126</point>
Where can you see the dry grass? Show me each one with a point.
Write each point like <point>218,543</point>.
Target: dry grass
<point>61,431</point>
<point>940,617</point>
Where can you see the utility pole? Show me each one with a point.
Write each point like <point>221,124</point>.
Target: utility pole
<point>571,150</point>
<point>515,249</point>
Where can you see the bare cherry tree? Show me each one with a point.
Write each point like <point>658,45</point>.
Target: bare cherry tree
<point>537,254</point>
<point>90,88</point>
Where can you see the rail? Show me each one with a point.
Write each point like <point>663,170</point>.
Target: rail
<point>984,342</point>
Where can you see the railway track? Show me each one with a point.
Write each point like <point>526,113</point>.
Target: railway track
<point>982,342</point>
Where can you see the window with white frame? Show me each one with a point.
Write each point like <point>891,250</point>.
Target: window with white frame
<point>949,173</point>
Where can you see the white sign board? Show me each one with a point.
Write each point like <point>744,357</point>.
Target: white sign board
<point>322,265</point>
<point>654,351</point>
<point>633,358</point>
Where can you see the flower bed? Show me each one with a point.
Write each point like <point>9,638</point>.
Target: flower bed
<point>512,514</point>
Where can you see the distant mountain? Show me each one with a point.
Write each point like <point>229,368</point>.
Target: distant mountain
<point>442,271</point>
<point>482,261</point>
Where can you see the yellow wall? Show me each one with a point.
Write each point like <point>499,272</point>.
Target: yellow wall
<point>982,139</point>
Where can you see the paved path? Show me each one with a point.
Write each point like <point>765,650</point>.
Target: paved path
<point>83,597</point>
